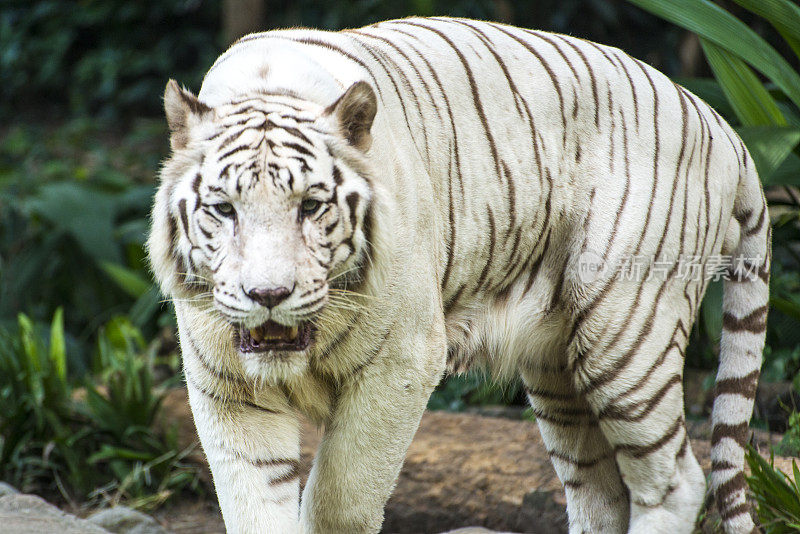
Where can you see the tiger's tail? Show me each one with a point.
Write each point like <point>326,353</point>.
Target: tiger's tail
<point>744,324</point>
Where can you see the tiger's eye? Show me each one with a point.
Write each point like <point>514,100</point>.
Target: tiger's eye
<point>224,208</point>
<point>309,206</point>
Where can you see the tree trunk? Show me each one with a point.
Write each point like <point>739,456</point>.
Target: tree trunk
<point>241,17</point>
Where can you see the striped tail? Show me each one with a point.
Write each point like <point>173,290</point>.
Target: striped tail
<point>744,326</point>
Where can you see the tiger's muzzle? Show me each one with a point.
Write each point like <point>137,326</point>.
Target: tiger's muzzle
<point>271,336</point>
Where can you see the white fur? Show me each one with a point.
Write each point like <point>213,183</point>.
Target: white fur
<point>496,160</point>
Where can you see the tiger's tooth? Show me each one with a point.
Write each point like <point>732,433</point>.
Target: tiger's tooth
<point>255,334</point>
<point>293,332</point>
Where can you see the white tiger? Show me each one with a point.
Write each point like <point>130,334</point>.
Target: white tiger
<point>346,214</point>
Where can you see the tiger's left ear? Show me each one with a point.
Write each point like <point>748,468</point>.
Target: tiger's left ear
<point>354,111</point>
<point>183,110</point>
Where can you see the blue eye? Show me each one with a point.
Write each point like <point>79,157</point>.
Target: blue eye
<point>309,206</point>
<point>224,208</point>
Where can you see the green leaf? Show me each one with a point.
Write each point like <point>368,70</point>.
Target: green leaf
<point>788,173</point>
<point>58,351</point>
<point>787,307</point>
<point>145,307</point>
<point>29,344</point>
<point>751,102</point>
<point>782,14</point>
<point>127,279</point>
<point>110,453</point>
<point>793,43</point>
<point>83,212</point>
<point>713,23</point>
<point>769,146</point>
<point>789,113</point>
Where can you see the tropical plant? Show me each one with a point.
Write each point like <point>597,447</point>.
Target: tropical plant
<point>777,494</point>
<point>91,443</point>
<point>73,220</point>
<point>790,443</point>
<point>457,392</point>
<point>101,57</point>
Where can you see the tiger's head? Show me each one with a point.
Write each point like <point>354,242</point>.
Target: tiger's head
<point>263,207</point>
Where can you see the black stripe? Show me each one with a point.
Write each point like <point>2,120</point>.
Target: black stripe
<point>640,451</point>
<point>299,148</point>
<point>534,271</point>
<point>219,374</point>
<point>745,385</point>
<point>577,462</point>
<point>473,86</point>
<point>561,421</point>
<point>489,257</point>
<point>330,46</point>
<point>184,217</point>
<point>223,400</point>
<point>547,68</point>
<point>233,151</point>
<point>625,413</point>
<point>291,130</point>
<point>754,322</point>
<point>550,395</point>
<point>595,92</point>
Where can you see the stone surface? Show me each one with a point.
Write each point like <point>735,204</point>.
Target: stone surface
<point>124,520</point>
<point>29,514</point>
<point>7,489</point>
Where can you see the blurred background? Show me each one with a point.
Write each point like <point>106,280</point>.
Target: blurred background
<point>87,344</point>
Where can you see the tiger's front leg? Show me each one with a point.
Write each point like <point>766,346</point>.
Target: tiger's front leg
<point>253,451</point>
<point>362,451</point>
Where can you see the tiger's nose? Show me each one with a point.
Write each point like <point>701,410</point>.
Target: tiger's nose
<point>269,297</point>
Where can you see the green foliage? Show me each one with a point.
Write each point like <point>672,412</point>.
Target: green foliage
<point>36,405</point>
<point>102,57</point>
<point>777,495</point>
<point>73,235</point>
<point>733,38</point>
<point>790,443</point>
<point>733,50</point>
<point>457,392</point>
<point>113,57</point>
<point>91,444</point>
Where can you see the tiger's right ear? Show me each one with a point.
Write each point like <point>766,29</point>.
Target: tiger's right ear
<point>354,111</point>
<point>183,110</point>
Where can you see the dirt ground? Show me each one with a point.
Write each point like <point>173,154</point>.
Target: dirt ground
<point>461,470</point>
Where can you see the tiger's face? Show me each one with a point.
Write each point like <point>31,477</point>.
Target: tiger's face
<point>267,204</point>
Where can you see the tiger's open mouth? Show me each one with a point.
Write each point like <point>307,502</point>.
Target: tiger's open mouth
<point>273,336</point>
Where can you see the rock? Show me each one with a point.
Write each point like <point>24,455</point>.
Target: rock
<point>7,489</point>
<point>29,514</point>
<point>124,520</point>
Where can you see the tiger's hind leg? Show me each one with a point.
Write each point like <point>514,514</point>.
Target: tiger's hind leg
<point>597,500</point>
<point>638,400</point>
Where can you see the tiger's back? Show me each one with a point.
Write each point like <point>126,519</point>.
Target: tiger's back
<point>559,192</point>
